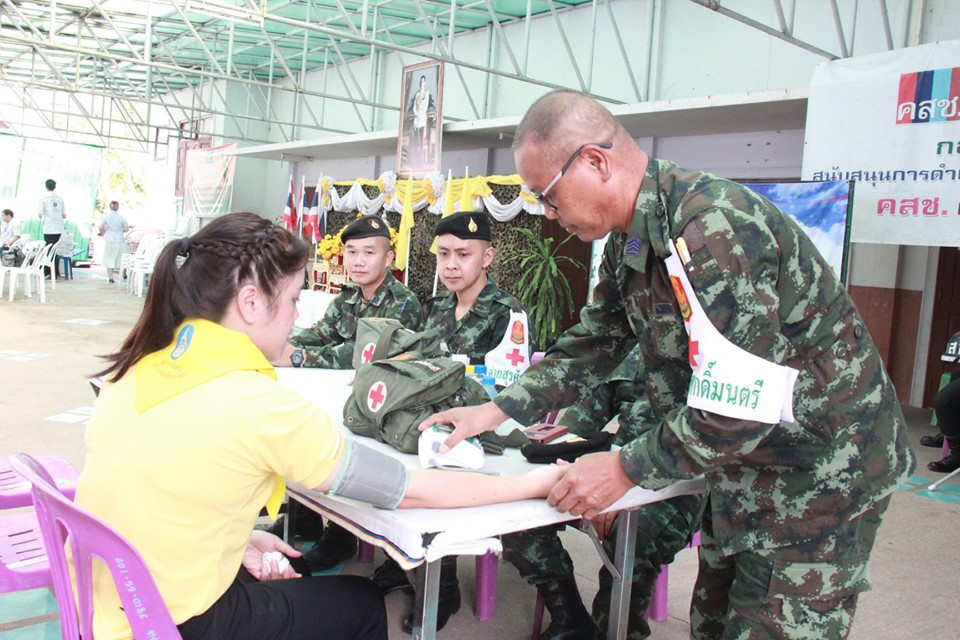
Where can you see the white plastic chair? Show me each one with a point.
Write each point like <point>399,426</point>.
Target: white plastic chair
<point>31,254</point>
<point>143,269</point>
<point>129,259</point>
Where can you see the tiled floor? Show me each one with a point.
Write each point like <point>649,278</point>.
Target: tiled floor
<point>47,352</point>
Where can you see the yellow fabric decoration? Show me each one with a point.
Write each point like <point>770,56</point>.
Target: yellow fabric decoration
<point>466,194</point>
<point>406,224</point>
<point>447,206</point>
<point>201,351</point>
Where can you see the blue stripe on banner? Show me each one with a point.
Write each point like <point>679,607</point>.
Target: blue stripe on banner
<point>924,86</point>
<point>940,90</point>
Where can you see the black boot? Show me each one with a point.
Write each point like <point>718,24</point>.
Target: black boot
<point>334,546</point>
<point>449,598</point>
<point>932,441</point>
<point>389,577</point>
<point>952,461</point>
<point>569,619</point>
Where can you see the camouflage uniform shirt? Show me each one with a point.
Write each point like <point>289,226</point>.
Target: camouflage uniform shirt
<point>481,329</point>
<point>768,291</point>
<point>329,343</point>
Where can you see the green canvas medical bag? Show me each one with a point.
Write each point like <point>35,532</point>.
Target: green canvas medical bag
<point>380,338</point>
<point>391,397</point>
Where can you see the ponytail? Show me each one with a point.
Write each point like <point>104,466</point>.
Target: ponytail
<point>232,250</point>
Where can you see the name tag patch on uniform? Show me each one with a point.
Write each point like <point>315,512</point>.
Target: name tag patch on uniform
<point>663,309</point>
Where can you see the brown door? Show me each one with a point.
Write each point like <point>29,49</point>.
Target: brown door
<point>946,319</point>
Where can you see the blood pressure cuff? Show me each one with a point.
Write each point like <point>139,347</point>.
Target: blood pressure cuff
<point>371,477</point>
<point>569,450</point>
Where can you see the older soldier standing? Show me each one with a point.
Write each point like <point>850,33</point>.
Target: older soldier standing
<point>372,293</point>
<point>798,484</point>
<point>473,317</point>
<point>663,528</point>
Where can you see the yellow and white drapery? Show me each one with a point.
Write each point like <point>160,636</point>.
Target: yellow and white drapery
<point>429,194</point>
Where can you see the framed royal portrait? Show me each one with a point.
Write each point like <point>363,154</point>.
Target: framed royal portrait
<point>419,139</point>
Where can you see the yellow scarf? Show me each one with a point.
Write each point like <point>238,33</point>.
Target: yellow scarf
<point>201,351</point>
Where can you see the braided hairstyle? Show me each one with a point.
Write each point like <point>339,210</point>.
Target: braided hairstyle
<point>232,251</point>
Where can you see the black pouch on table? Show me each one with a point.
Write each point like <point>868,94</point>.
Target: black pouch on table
<point>569,450</point>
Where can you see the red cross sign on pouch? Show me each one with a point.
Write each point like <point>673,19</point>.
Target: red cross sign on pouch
<point>376,396</point>
<point>367,354</point>
<point>728,380</point>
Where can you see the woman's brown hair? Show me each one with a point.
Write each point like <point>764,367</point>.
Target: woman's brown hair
<point>230,251</point>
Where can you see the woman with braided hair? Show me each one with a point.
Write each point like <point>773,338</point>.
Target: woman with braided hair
<point>191,435</point>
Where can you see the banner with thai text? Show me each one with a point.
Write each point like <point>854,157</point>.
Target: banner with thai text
<point>891,122</point>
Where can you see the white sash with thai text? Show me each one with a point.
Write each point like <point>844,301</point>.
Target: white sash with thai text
<point>511,357</point>
<point>728,380</point>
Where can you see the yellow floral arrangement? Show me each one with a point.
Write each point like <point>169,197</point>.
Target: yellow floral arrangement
<point>331,245</point>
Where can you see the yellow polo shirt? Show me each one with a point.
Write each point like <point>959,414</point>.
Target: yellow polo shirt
<point>185,479</point>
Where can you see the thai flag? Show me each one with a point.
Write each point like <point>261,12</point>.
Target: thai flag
<point>290,211</point>
<point>312,226</point>
<point>304,208</point>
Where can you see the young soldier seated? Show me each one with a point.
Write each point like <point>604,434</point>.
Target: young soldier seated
<point>478,320</point>
<point>373,292</point>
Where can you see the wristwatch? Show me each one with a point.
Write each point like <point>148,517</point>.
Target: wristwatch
<point>296,358</point>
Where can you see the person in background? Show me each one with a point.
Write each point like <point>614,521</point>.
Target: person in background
<point>9,232</point>
<point>664,528</point>
<point>191,389</point>
<point>798,490</point>
<point>112,228</point>
<point>473,318</point>
<point>373,292</point>
<point>53,212</point>
<point>947,409</point>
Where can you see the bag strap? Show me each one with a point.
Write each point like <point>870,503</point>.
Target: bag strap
<point>382,350</point>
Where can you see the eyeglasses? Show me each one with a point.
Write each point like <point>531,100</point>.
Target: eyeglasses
<point>542,196</point>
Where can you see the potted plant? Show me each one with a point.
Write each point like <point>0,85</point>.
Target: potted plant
<point>542,287</point>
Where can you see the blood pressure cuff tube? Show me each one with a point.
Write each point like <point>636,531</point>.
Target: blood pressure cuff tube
<point>568,451</point>
<point>371,477</point>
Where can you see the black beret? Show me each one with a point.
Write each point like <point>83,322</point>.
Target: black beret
<point>365,227</point>
<point>466,225</point>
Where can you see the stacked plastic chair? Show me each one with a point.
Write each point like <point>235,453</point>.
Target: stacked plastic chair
<point>90,539</point>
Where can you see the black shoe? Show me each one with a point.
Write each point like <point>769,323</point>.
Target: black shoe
<point>932,441</point>
<point>952,461</point>
<point>110,281</point>
<point>448,602</point>
<point>389,577</point>
<point>334,546</point>
<point>569,619</point>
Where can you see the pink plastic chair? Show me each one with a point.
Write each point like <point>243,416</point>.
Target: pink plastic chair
<point>15,490</point>
<point>61,520</point>
<point>23,560</point>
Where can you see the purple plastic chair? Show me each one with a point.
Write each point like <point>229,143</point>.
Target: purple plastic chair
<point>61,520</point>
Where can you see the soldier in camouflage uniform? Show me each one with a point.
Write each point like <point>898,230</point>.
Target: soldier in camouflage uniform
<point>474,313</point>
<point>664,528</point>
<point>372,293</point>
<point>472,317</point>
<point>794,506</point>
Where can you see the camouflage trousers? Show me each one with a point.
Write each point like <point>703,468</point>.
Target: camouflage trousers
<point>804,591</point>
<point>664,528</point>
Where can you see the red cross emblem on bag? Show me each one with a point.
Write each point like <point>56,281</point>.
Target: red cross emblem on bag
<point>367,354</point>
<point>377,396</point>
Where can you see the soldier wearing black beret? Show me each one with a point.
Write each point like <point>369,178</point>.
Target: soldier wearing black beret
<point>365,227</point>
<point>473,317</point>
<point>466,225</point>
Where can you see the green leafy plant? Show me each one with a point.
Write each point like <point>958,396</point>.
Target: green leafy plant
<point>542,288</point>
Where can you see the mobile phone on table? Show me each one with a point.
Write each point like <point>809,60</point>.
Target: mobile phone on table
<point>543,433</point>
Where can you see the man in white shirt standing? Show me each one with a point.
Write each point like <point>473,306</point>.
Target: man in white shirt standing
<point>9,232</point>
<point>54,214</point>
<point>112,228</point>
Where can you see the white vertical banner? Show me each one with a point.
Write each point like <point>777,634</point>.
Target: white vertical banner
<point>891,122</point>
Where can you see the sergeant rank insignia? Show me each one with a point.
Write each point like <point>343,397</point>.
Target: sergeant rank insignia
<point>634,244</point>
